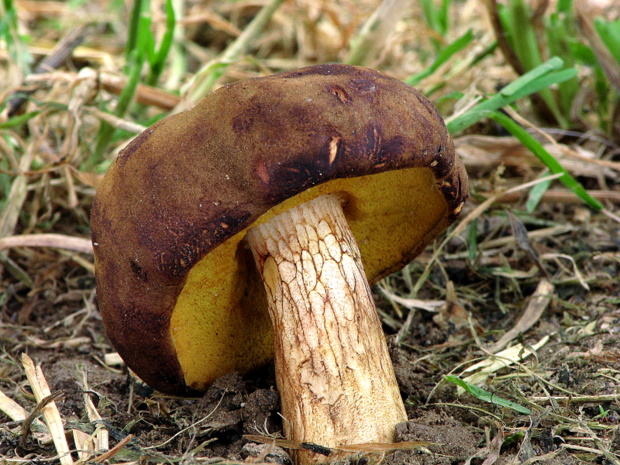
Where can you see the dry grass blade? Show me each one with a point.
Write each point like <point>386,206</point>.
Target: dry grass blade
<point>491,453</point>
<point>481,370</point>
<point>428,305</point>
<point>84,444</point>
<point>376,30</point>
<point>563,196</point>
<point>17,413</point>
<point>115,450</point>
<point>58,56</point>
<point>117,122</point>
<point>29,420</point>
<point>598,452</point>
<point>585,19</point>
<point>11,408</point>
<point>101,435</point>
<point>482,153</point>
<point>51,416</point>
<point>145,95</point>
<point>369,448</point>
<point>113,359</point>
<point>538,303</point>
<point>531,235</point>
<point>59,241</point>
<point>519,231</point>
<point>576,399</point>
<point>16,197</point>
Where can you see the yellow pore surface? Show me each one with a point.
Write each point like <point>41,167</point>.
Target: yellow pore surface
<point>220,323</point>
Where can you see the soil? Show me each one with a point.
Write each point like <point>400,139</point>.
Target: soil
<point>68,341</point>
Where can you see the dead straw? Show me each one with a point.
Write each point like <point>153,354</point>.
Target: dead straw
<point>51,416</point>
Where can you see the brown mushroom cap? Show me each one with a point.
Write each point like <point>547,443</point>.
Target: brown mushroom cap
<point>177,289</point>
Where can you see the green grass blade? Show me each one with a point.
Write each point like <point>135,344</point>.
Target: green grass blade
<point>158,63</point>
<point>486,396</point>
<point>545,157</point>
<point>541,77</point>
<point>106,131</point>
<point>437,18</point>
<point>18,120</point>
<point>444,17</point>
<point>522,31</point>
<point>430,14</point>
<point>134,26</point>
<point>609,32</point>
<point>146,42</point>
<point>124,100</point>
<point>472,241</point>
<point>553,64</point>
<point>558,36</point>
<point>9,32</point>
<point>447,53</point>
<point>565,7</point>
<point>536,193</point>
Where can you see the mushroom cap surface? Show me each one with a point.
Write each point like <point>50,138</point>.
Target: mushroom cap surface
<point>178,292</point>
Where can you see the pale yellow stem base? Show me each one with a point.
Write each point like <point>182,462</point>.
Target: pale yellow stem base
<point>333,369</point>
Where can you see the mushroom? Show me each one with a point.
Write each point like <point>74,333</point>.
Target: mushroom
<point>254,223</point>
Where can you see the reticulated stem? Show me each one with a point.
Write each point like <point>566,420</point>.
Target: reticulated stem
<point>333,369</point>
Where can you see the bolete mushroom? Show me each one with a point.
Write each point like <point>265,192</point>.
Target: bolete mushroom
<point>272,204</point>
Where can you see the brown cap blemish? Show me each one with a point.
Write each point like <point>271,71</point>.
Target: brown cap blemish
<point>339,92</point>
<point>333,149</point>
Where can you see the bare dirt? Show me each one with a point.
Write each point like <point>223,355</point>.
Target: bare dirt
<point>66,338</point>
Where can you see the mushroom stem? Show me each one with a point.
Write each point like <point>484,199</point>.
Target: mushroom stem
<point>333,369</point>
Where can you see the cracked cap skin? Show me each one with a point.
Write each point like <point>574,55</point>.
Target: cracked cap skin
<point>177,288</point>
